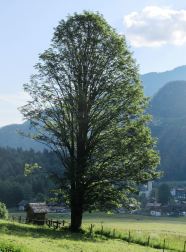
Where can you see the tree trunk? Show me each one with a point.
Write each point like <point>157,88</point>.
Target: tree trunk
<point>76,213</point>
<point>77,187</point>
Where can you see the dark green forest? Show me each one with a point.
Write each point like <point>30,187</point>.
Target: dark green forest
<point>15,186</point>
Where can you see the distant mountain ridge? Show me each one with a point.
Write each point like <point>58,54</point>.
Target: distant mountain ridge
<point>10,137</point>
<point>152,82</point>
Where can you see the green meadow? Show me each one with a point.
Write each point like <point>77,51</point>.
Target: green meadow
<point>109,233</point>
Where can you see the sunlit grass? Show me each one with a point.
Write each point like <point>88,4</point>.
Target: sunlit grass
<point>144,230</point>
<point>110,233</point>
<point>37,239</point>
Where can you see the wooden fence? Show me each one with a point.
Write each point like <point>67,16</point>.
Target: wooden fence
<point>55,224</point>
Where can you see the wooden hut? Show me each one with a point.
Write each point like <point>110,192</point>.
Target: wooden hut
<point>36,213</point>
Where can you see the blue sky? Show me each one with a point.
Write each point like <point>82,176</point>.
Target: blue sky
<point>155,31</point>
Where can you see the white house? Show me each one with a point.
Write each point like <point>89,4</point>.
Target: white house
<point>146,189</point>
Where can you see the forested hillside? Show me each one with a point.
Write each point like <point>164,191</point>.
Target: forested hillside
<point>14,186</point>
<point>168,108</point>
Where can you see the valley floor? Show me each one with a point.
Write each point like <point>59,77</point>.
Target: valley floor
<point>29,238</point>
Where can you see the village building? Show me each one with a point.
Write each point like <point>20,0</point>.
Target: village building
<point>154,209</point>
<point>146,190</point>
<point>156,212</point>
<point>22,204</point>
<point>153,205</point>
<point>179,194</point>
<point>36,213</point>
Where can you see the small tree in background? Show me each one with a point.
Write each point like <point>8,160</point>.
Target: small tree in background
<point>164,194</point>
<point>87,104</point>
<point>3,211</point>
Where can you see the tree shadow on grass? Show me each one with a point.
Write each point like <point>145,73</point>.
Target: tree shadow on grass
<point>26,230</point>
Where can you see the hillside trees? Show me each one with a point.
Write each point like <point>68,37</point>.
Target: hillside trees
<point>87,104</point>
<point>164,194</point>
<point>14,186</point>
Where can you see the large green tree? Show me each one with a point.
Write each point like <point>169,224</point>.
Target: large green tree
<point>87,104</point>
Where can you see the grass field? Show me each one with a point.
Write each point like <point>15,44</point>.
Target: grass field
<point>28,238</point>
<point>116,230</point>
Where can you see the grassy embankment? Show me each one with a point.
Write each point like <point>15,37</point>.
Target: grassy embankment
<point>114,235</point>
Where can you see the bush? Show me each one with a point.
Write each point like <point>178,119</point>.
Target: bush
<point>3,211</point>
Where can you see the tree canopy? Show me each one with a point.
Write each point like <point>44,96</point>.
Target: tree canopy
<point>87,104</point>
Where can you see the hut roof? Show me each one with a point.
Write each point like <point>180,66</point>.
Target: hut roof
<point>38,207</point>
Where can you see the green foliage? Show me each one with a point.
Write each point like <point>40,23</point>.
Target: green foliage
<point>87,104</point>
<point>11,247</point>
<point>30,168</point>
<point>3,211</point>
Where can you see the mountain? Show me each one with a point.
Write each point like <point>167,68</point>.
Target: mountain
<point>168,108</point>
<point>152,82</point>
<point>170,101</point>
<point>10,137</point>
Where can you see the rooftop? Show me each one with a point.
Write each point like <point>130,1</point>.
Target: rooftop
<point>38,207</point>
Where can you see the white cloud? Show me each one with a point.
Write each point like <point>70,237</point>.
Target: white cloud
<point>156,26</point>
